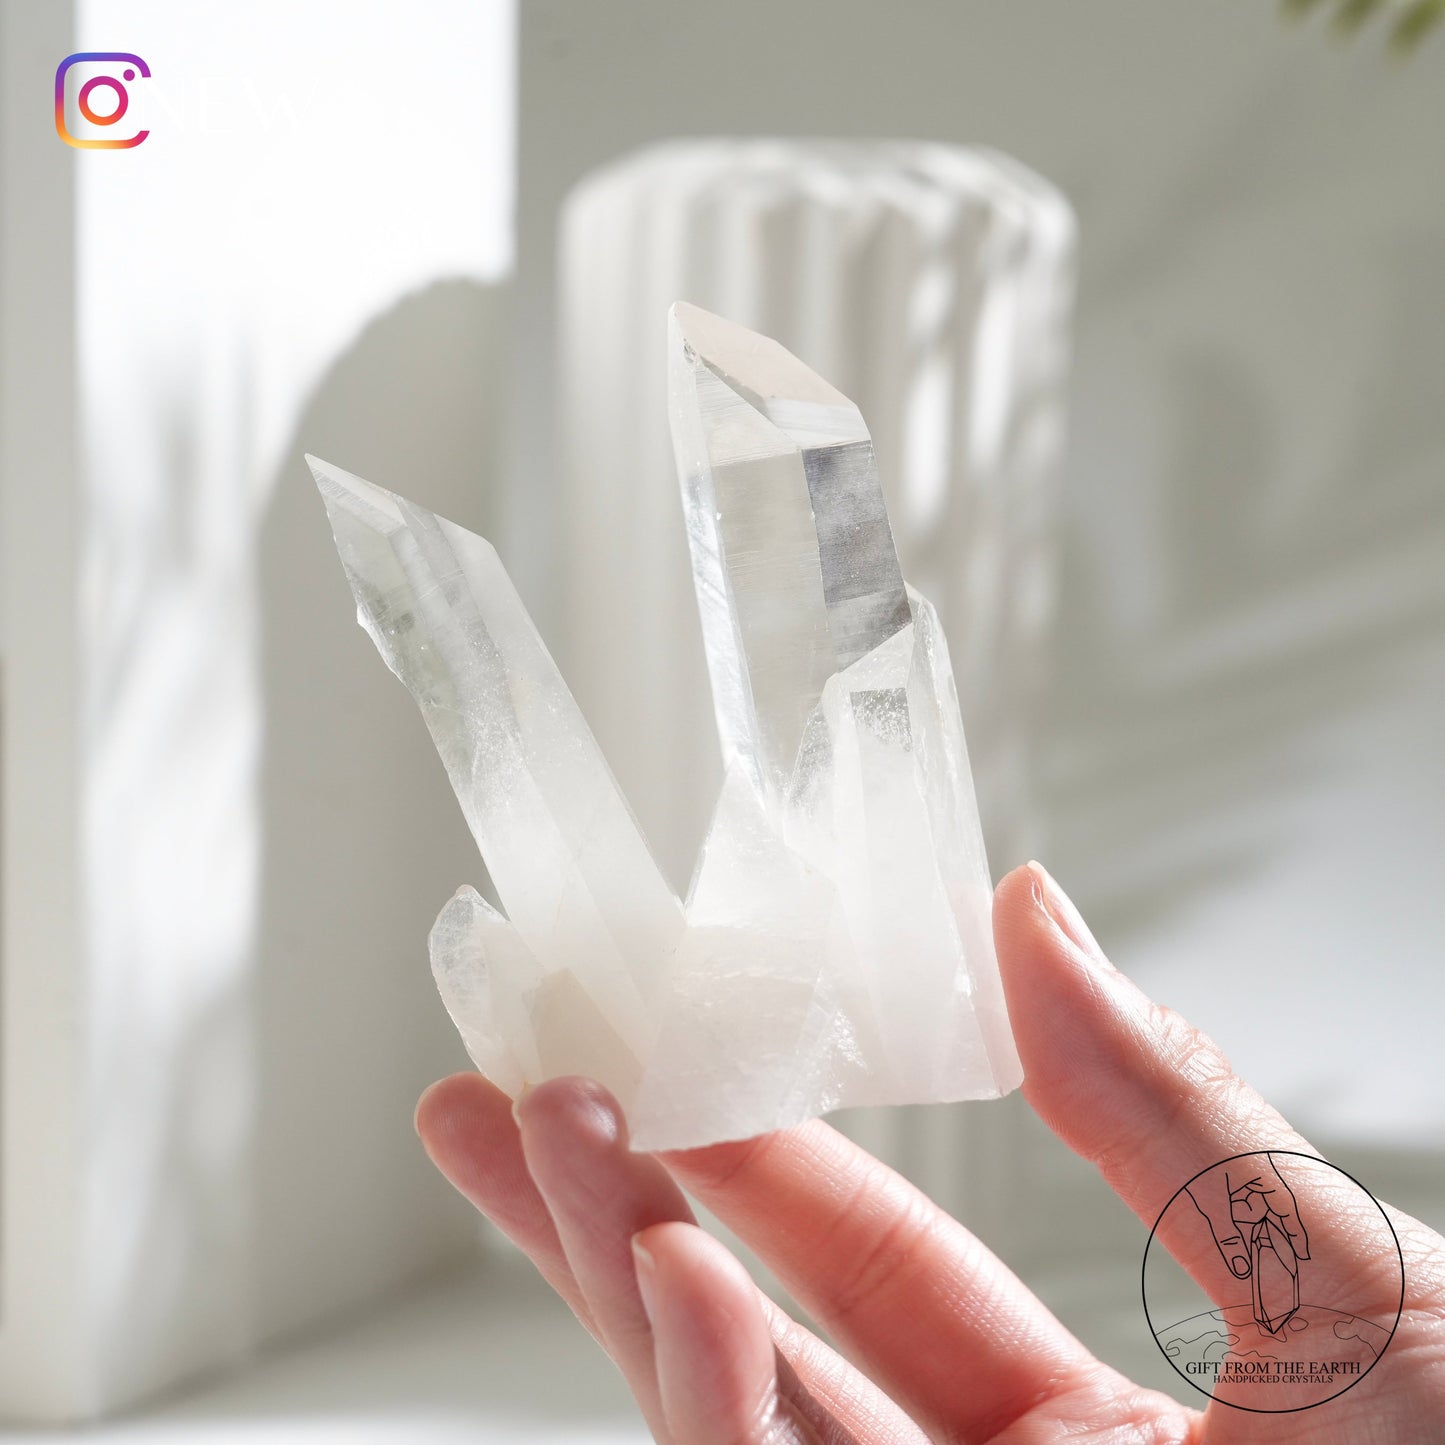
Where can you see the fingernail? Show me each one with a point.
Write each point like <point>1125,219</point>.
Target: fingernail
<point>1055,904</point>
<point>517,1102</point>
<point>1240,1265</point>
<point>646,1271</point>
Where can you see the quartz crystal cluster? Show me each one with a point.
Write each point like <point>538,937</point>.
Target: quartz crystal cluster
<point>835,946</point>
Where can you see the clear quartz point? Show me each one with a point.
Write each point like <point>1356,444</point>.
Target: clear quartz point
<point>584,898</point>
<point>797,576</point>
<point>836,947</point>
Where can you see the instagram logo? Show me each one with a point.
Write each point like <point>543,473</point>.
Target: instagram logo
<point>91,99</point>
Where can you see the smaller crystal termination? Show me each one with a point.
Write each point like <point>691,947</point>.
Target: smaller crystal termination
<point>835,947</point>
<point>796,574</point>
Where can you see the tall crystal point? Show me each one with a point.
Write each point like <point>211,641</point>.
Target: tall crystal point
<point>793,557</point>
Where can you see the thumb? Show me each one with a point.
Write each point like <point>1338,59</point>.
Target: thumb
<point>1211,1198</point>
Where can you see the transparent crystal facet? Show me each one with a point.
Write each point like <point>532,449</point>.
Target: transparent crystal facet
<point>797,576</point>
<point>835,948</point>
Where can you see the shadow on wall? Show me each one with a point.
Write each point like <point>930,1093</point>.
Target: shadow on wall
<point>1289,604</point>
<point>362,837</point>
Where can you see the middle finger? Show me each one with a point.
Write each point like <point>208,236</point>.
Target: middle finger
<point>599,1195</point>
<point>906,1289</point>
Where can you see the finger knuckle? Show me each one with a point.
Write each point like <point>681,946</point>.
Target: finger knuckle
<point>1196,1065</point>
<point>877,1254</point>
<point>1181,1078</point>
<point>1197,1058</point>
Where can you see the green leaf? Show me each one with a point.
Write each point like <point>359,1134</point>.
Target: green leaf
<point>1352,14</point>
<point>1415,24</point>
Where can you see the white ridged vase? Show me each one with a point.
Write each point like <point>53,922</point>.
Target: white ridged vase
<point>932,285</point>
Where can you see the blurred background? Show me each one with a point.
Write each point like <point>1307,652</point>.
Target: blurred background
<point>363,230</point>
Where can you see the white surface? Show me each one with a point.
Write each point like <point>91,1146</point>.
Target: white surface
<point>467,1362</point>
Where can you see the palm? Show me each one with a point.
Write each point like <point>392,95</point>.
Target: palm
<point>941,1341</point>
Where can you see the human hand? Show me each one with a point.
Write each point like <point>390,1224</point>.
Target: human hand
<point>942,1341</point>
<point>1238,1196</point>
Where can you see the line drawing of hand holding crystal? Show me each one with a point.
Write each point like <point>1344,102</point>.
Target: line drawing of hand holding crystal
<point>1251,1212</point>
